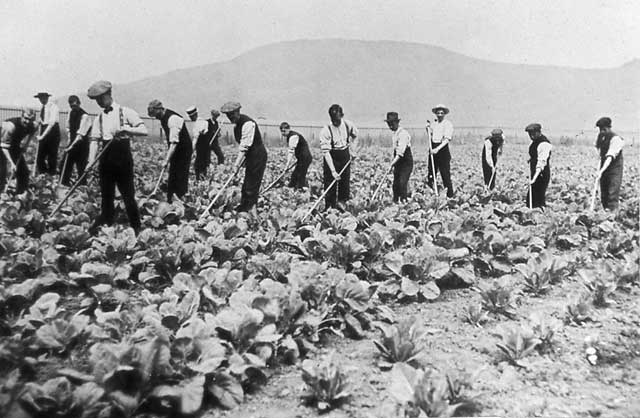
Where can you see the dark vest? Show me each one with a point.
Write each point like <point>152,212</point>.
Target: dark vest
<point>603,143</point>
<point>302,149</point>
<point>257,136</point>
<point>19,133</point>
<point>496,143</point>
<point>75,117</point>
<point>533,154</point>
<point>212,127</point>
<point>184,143</point>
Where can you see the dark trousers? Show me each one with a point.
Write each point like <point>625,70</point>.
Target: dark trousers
<point>487,172</point>
<point>78,157</point>
<point>340,159</point>
<point>215,147</point>
<point>401,173</point>
<point>203,158</point>
<point>47,157</point>
<point>539,188</point>
<point>610,183</point>
<point>116,169</point>
<point>178,183</point>
<point>22,171</point>
<point>255,164</point>
<point>299,175</point>
<point>442,161</point>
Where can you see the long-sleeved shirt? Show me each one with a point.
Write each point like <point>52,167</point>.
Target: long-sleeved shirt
<point>337,137</point>
<point>401,140</point>
<point>544,149</point>
<point>246,140</point>
<point>85,125</point>
<point>441,131</point>
<point>51,114</point>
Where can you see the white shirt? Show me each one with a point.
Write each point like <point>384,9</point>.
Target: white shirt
<point>85,124</point>
<point>246,140</point>
<point>615,146</point>
<point>441,131</point>
<point>488,151</point>
<point>341,135</point>
<point>544,149</point>
<point>51,113</point>
<point>293,142</point>
<point>401,140</point>
<point>106,125</point>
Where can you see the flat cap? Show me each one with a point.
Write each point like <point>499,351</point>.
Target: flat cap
<point>215,113</point>
<point>41,94</point>
<point>230,107</point>
<point>533,127</point>
<point>155,104</point>
<point>191,110</point>
<point>439,107</point>
<point>98,89</point>
<point>496,132</point>
<point>604,122</point>
<point>392,117</point>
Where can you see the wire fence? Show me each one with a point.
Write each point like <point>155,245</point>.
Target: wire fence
<point>368,135</point>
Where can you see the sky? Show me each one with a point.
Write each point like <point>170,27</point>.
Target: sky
<point>63,46</point>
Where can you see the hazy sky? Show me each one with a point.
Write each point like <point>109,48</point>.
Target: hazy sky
<point>63,46</point>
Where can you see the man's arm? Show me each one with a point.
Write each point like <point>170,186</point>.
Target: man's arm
<point>488,149</point>
<point>246,140</point>
<point>447,135</point>
<point>133,124</point>
<point>544,149</point>
<point>325,146</point>
<point>403,142</point>
<point>293,143</point>
<point>51,119</point>
<point>85,125</point>
<point>6,132</point>
<point>175,124</point>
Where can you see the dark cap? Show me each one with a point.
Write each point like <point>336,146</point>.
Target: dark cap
<point>335,110</point>
<point>392,117</point>
<point>496,132</point>
<point>604,122</point>
<point>285,125</point>
<point>74,99</point>
<point>98,89</point>
<point>155,104</point>
<point>533,127</point>
<point>41,94</point>
<point>230,107</point>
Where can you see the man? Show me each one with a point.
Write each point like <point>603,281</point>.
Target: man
<point>251,151</point>
<point>205,138</point>
<point>179,149</point>
<point>115,127</point>
<point>335,142</point>
<point>299,149</point>
<point>49,138</point>
<point>610,145</point>
<point>12,133</point>
<point>78,131</point>
<point>490,151</point>
<point>441,135</point>
<point>539,167</point>
<point>402,163</point>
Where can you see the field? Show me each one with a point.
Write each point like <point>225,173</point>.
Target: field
<point>434,307</point>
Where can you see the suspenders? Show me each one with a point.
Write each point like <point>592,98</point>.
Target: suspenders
<point>349,133</point>
<point>121,122</point>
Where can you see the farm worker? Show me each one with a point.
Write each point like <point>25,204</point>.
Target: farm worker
<point>12,133</point>
<point>402,164</point>
<point>335,143</point>
<point>610,146</point>
<point>539,167</point>
<point>204,140</point>
<point>114,127</point>
<point>490,151</point>
<point>49,138</point>
<point>299,149</point>
<point>441,135</point>
<point>179,148</point>
<point>251,150</point>
<point>78,131</point>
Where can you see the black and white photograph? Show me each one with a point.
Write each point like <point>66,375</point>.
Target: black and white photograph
<point>319,208</point>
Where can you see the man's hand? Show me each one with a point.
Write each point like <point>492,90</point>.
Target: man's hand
<point>166,163</point>
<point>336,175</point>
<point>40,138</point>
<point>535,177</point>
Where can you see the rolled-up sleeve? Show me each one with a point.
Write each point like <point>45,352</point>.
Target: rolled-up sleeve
<point>544,150</point>
<point>6,131</point>
<point>175,124</point>
<point>85,125</point>
<point>325,139</point>
<point>447,131</point>
<point>615,146</point>
<point>293,142</point>
<point>248,131</point>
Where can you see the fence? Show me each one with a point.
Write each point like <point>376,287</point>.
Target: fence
<point>368,136</point>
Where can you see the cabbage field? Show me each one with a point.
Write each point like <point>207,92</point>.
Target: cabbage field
<point>472,306</point>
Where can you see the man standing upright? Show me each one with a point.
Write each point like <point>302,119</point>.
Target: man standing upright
<point>49,138</point>
<point>78,131</point>
<point>335,142</point>
<point>539,167</point>
<point>441,135</point>
<point>251,150</point>
<point>12,133</point>
<point>610,145</point>
<point>179,149</point>
<point>115,127</point>
<point>205,138</point>
<point>402,163</point>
